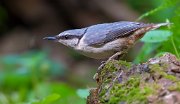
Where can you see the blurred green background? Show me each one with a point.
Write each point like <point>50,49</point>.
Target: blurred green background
<point>34,71</point>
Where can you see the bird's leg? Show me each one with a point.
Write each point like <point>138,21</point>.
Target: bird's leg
<point>110,58</point>
<point>103,64</point>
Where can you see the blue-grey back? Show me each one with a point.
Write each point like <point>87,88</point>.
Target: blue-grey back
<point>102,33</point>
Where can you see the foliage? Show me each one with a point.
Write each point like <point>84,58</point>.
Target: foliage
<point>160,40</point>
<point>83,93</point>
<point>156,36</point>
<point>27,78</point>
<point>49,99</point>
<point>152,40</point>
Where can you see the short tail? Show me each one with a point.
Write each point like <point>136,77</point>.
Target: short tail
<point>162,24</point>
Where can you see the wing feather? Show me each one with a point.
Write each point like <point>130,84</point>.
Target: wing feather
<point>100,34</point>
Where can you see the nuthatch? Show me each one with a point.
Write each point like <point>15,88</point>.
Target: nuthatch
<point>103,40</point>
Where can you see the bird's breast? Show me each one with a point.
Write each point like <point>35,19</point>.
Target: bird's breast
<point>104,51</point>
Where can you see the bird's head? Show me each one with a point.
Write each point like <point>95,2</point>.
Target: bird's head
<point>69,38</point>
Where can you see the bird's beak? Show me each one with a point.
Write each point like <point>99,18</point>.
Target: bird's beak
<point>50,38</point>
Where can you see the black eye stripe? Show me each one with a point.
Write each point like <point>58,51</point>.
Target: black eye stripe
<point>69,37</point>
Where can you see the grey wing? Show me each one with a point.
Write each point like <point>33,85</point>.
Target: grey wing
<point>98,35</point>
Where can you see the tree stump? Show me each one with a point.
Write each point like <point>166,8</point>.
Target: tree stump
<point>154,82</point>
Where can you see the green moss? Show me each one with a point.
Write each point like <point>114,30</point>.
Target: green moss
<point>174,87</point>
<point>124,63</point>
<point>129,91</point>
<point>170,77</point>
<point>156,69</point>
<point>110,66</point>
<point>133,88</point>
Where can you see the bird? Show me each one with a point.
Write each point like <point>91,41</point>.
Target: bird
<point>106,40</point>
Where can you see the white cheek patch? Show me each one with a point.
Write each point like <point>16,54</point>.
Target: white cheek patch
<point>70,42</point>
<point>74,41</point>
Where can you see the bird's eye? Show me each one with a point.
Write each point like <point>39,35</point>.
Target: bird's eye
<point>66,37</point>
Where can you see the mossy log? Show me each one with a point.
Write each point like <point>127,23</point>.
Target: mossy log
<point>155,82</point>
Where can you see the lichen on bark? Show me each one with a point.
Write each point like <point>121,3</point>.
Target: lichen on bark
<point>155,82</point>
